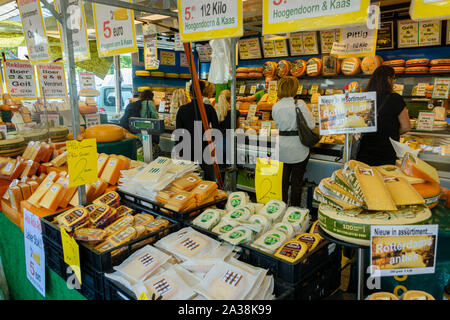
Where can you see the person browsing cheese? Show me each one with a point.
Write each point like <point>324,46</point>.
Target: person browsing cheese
<point>293,153</point>
<point>143,108</point>
<point>392,120</point>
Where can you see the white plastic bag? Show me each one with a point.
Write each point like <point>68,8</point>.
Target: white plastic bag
<point>220,70</point>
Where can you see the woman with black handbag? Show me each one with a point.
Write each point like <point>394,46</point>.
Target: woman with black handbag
<point>293,153</point>
<point>375,148</point>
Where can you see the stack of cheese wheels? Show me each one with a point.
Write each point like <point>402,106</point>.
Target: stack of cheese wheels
<point>105,133</point>
<point>255,72</point>
<point>370,64</point>
<point>314,67</point>
<point>298,68</point>
<point>283,68</point>
<point>263,105</point>
<point>398,65</point>
<point>269,69</point>
<point>440,66</point>
<point>242,73</point>
<point>351,66</point>
<point>417,66</point>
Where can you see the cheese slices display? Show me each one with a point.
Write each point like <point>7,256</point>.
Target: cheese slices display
<point>358,196</point>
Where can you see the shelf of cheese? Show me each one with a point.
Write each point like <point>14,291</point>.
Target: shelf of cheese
<point>359,196</point>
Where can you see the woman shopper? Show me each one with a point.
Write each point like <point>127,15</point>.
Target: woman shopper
<point>178,99</point>
<point>143,108</point>
<point>392,120</point>
<point>293,153</point>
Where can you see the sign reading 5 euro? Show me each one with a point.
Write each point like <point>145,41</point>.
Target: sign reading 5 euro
<point>293,15</point>
<point>206,19</point>
<point>114,29</point>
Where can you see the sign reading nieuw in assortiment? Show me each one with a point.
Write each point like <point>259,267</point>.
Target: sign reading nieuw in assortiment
<point>19,79</point>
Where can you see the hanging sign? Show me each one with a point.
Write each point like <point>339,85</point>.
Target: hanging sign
<point>403,250</point>
<point>354,113</point>
<point>422,33</point>
<point>385,36</point>
<point>252,89</point>
<point>71,253</point>
<point>242,89</point>
<point>76,23</point>
<point>421,88</point>
<point>167,58</point>
<point>183,60</point>
<point>114,29</point>
<point>269,48</point>
<point>150,36</point>
<point>206,20</point>
<point>34,30</point>
<point>448,32</point>
<point>425,121</point>
<point>327,38</point>
<point>204,52</point>
<point>429,33</point>
<point>441,88</point>
<point>429,9</point>
<point>251,111</point>
<point>34,250</point>
<point>52,80</point>
<point>268,180</point>
<point>360,41</point>
<point>249,49</point>
<point>19,79</point>
<point>178,43</point>
<point>292,15</point>
<point>82,161</point>
<point>87,80</point>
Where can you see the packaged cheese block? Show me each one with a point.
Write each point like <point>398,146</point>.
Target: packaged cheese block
<point>225,226</point>
<point>53,197</point>
<point>89,234</point>
<point>394,171</point>
<point>157,224</point>
<point>315,229</point>
<point>269,69</point>
<point>314,67</point>
<point>416,70</point>
<point>59,160</point>
<point>351,66</point>
<point>399,70</point>
<point>42,189</point>
<point>440,69</point>
<point>140,230</point>
<point>298,218</point>
<point>238,235</point>
<point>25,189</point>
<point>370,64</point>
<point>337,223</point>
<point>283,68</point>
<point>104,246</point>
<point>126,162</point>
<point>142,73</point>
<point>292,251</point>
<point>123,236</point>
<point>416,167</point>
<point>329,200</point>
<point>298,68</point>
<point>73,218</point>
<point>236,199</point>
<point>33,185</point>
<point>111,198</point>
<point>394,63</point>
<point>187,182</point>
<point>417,62</point>
<point>143,218</point>
<point>382,296</point>
<point>164,195</point>
<point>329,188</point>
<point>430,192</point>
<point>260,220</point>
<point>101,162</point>
<point>273,210</point>
<point>310,239</point>
<point>15,196</point>
<point>99,214</point>
<point>270,241</point>
<point>204,189</point>
<point>124,211</point>
<point>330,65</point>
<point>416,295</point>
<point>220,195</point>
<point>111,172</point>
<point>286,228</point>
<point>238,214</point>
<point>208,219</point>
<point>13,183</point>
<point>242,70</point>
<point>99,188</point>
<point>179,201</point>
<point>69,192</point>
<point>30,168</point>
<point>119,224</point>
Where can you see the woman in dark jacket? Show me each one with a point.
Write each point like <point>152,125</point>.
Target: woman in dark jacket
<point>392,120</point>
<point>143,108</point>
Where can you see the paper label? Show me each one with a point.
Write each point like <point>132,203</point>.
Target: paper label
<point>87,80</point>
<point>311,68</point>
<point>359,41</point>
<point>268,180</point>
<point>252,89</point>
<point>150,47</point>
<point>19,78</point>
<point>71,253</point>
<point>242,89</point>
<point>82,161</point>
<point>425,121</point>
<point>441,88</point>
<point>52,80</point>
<point>92,119</point>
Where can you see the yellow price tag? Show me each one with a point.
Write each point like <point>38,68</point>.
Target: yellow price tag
<point>82,161</point>
<point>242,89</point>
<point>71,253</point>
<point>314,88</point>
<point>272,97</point>
<point>143,296</point>
<point>300,89</point>
<point>268,180</point>
<point>252,89</point>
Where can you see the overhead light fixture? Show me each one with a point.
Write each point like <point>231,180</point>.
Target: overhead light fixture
<point>154,17</point>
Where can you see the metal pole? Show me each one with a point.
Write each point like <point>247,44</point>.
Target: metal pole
<point>360,290</point>
<point>118,90</point>
<point>233,111</point>
<point>136,7</point>
<point>68,49</point>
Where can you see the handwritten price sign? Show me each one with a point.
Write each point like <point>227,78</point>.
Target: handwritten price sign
<point>82,161</point>
<point>205,20</point>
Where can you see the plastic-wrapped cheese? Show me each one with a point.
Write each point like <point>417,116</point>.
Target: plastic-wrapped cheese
<point>207,219</point>
<point>260,220</point>
<point>273,210</point>
<point>224,226</point>
<point>416,70</point>
<point>311,239</point>
<point>270,241</point>
<point>399,69</point>
<point>292,251</point>
<point>298,218</point>
<point>238,235</point>
<point>440,62</point>
<point>394,63</point>
<point>238,214</point>
<point>417,62</point>
<point>236,199</point>
<point>440,69</point>
<point>351,66</point>
<point>283,68</point>
<point>286,228</point>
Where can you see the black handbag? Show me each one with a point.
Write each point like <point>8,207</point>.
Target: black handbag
<point>307,137</point>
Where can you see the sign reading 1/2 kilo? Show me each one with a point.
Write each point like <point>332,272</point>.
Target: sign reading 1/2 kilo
<point>205,19</point>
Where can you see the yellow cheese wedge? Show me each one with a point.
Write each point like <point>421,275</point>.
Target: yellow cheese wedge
<point>394,171</point>
<point>25,189</point>
<point>332,201</point>
<point>402,192</point>
<point>42,189</point>
<point>59,160</point>
<point>53,197</point>
<point>15,196</point>
<point>68,193</point>
<point>292,251</point>
<point>310,239</point>
<point>111,172</point>
<point>101,162</point>
<point>416,167</point>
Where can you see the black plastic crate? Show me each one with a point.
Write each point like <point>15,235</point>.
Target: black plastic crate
<point>92,283</point>
<point>291,273</point>
<point>104,261</point>
<point>157,208</point>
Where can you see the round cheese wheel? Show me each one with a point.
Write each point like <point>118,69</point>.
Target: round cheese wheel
<point>105,133</point>
<point>394,63</point>
<point>283,68</point>
<point>298,68</point>
<point>242,70</point>
<point>141,89</point>
<point>142,73</point>
<point>354,225</point>
<point>314,67</point>
<point>243,106</point>
<point>339,66</point>
<point>264,106</point>
<point>416,295</point>
<point>440,62</point>
<point>370,64</point>
<point>255,69</point>
<point>269,69</point>
<point>382,296</point>
<point>157,74</point>
<point>185,75</point>
<point>399,69</point>
<point>430,191</point>
<point>417,70</point>
<point>85,109</point>
<point>255,75</point>
<point>172,75</point>
<point>440,69</point>
<point>351,66</point>
<point>241,75</point>
<point>417,62</point>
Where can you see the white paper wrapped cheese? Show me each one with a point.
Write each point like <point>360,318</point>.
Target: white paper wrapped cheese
<point>241,213</point>
<point>238,235</point>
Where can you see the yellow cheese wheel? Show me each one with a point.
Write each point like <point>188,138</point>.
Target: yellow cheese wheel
<point>399,69</point>
<point>298,68</point>
<point>269,69</point>
<point>417,62</point>
<point>314,67</point>
<point>172,75</point>
<point>440,69</point>
<point>440,62</point>
<point>430,191</point>
<point>105,133</point>
<point>370,64</point>
<point>255,69</point>
<point>394,63</point>
<point>283,68</point>
<point>417,70</point>
<point>157,74</point>
<point>242,69</point>
<point>142,73</point>
<point>241,75</point>
<point>351,66</point>
<point>87,109</point>
<point>141,89</point>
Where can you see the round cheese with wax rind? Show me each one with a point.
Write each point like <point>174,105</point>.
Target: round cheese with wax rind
<point>416,295</point>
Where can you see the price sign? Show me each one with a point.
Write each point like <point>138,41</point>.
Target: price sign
<point>19,79</point>
<point>314,88</point>
<point>249,49</point>
<point>77,23</point>
<point>448,32</point>
<point>359,41</point>
<point>34,30</point>
<point>114,29</point>
<point>71,252</point>
<point>162,106</point>
<point>87,80</point>
<point>167,58</point>
<point>441,88</point>
<point>429,9</point>
<point>291,15</point>
<point>300,89</point>
<point>421,88</point>
<point>266,127</point>
<point>34,250</point>
<point>327,38</point>
<point>252,89</point>
<point>206,20</point>
<point>423,33</point>
<point>268,180</point>
<point>150,46</point>
<point>183,60</point>
<point>425,121</point>
<point>385,35</point>
<point>82,161</point>
<point>204,52</point>
<point>52,80</point>
<point>269,48</point>
<point>398,88</point>
<point>53,119</point>
<point>178,43</point>
<point>242,89</point>
<point>403,250</point>
<point>92,119</point>
<point>251,111</point>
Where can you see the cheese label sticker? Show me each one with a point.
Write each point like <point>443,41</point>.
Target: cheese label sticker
<point>202,186</point>
<point>232,278</point>
<point>311,68</point>
<point>348,66</point>
<point>180,197</point>
<point>146,260</point>
<point>162,287</point>
<point>272,239</point>
<point>190,244</point>
<point>191,179</point>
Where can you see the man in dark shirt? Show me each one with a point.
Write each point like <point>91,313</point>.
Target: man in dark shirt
<point>189,118</point>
